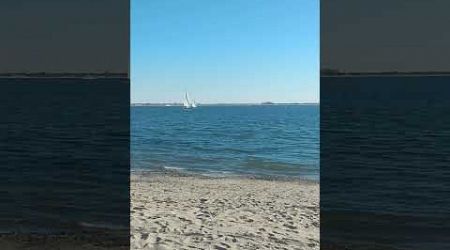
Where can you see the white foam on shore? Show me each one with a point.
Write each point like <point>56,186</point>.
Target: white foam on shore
<point>174,168</point>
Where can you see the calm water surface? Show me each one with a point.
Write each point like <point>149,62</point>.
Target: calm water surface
<point>385,146</point>
<point>64,155</point>
<point>227,140</point>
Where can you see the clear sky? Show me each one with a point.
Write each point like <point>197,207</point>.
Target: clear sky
<point>225,51</point>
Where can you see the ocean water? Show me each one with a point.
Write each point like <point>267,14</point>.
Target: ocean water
<point>64,155</point>
<point>385,165</point>
<point>258,140</point>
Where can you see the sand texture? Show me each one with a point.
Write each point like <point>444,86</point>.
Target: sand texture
<point>186,212</point>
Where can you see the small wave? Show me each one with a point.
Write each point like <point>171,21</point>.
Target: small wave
<point>101,226</point>
<point>197,172</point>
<point>170,168</point>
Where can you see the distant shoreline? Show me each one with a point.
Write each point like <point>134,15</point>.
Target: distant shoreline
<point>384,75</point>
<point>222,104</point>
<point>44,75</point>
<point>337,73</point>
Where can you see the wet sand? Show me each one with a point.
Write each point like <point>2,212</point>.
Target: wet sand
<point>190,212</point>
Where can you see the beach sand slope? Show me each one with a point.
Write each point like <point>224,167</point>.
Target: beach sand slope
<point>170,212</point>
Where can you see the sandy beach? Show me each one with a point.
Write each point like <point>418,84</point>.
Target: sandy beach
<point>191,212</point>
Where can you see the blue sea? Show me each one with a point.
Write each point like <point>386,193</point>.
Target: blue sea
<point>227,140</point>
<point>385,175</point>
<point>64,155</point>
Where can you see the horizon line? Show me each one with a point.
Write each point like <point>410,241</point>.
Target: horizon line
<point>338,72</point>
<point>222,103</point>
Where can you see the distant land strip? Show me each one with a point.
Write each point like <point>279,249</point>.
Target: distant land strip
<point>338,73</point>
<point>64,75</point>
<point>222,104</point>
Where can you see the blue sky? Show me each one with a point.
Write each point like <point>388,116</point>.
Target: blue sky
<point>225,51</point>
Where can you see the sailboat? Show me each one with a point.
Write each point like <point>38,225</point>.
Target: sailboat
<point>188,104</point>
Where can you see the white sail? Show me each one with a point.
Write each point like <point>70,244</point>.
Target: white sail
<point>188,103</point>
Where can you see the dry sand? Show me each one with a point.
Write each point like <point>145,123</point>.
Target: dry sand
<point>169,212</point>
